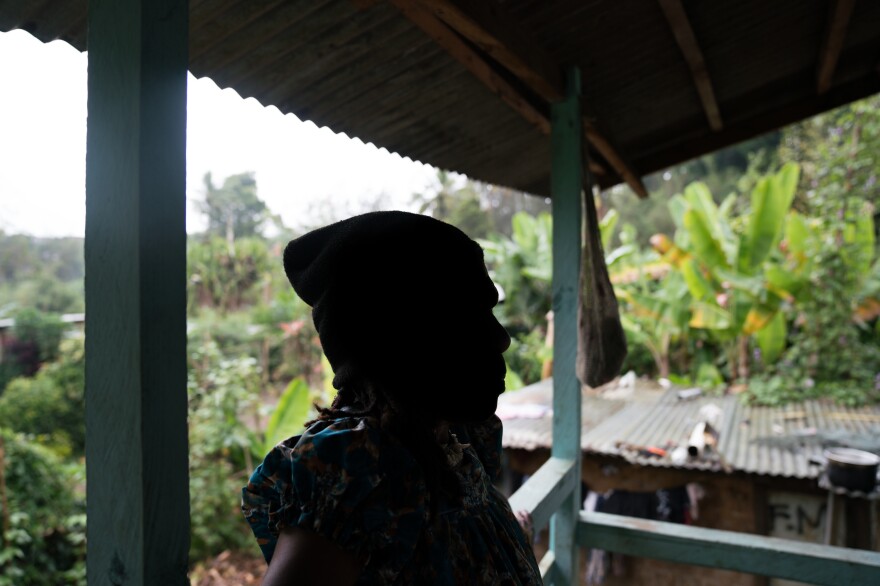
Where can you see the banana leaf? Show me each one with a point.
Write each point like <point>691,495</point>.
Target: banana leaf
<point>290,414</point>
<point>771,339</point>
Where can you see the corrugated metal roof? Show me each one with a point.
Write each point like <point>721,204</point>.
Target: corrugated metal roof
<point>363,69</point>
<point>533,431</point>
<point>773,441</point>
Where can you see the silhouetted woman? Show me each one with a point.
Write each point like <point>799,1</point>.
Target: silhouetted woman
<point>393,483</point>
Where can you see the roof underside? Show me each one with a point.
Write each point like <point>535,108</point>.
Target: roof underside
<point>364,68</point>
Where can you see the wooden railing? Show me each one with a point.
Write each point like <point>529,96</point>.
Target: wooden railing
<point>728,550</point>
<point>810,563</point>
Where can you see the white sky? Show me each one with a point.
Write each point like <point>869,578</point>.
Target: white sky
<point>43,144</point>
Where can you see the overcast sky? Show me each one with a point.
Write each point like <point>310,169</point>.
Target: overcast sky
<point>43,144</point>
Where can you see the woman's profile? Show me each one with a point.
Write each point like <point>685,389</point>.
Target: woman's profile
<point>392,484</point>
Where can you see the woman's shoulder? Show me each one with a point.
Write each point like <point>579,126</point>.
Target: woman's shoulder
<point>318,480</point>
<point>351,442</point>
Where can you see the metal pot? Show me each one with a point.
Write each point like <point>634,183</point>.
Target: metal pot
<point>851,469</point>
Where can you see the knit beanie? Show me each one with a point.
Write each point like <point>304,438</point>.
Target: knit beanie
<point>372,279</point>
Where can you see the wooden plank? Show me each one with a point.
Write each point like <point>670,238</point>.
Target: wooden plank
<point>544,492</point>
<point>657,155</point>
<point>566,184</point>
<point>687,42</point>
<point>365,4</point>
<point>473,62</point>
<point>547,567</point>
<point>221,20</point>
<point>617,162</point>
<point>486,24</point>
<point>833,44</point>
<point>135,258</point>
<point>246,47</point>
<point>728,550</point>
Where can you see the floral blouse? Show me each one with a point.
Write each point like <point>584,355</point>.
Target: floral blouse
<point>357,486</point>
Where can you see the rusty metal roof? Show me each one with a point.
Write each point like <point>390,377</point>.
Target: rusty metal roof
<point>657,75</point>
<point>773,441</point>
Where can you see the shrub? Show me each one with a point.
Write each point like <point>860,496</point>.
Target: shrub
<point>45,542</point>
<point>220,390</point>
<point>50,407</point>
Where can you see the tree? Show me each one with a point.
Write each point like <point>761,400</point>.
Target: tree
<point>234,210</point>
<point>225,275</point>
<point>834,347</point>
<point>736,277</point>
<point>459,206</point>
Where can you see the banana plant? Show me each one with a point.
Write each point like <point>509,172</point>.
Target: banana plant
<point>740,270</point>
<point>287,419</point>
<point>522,266</point>
<point>656,318</point>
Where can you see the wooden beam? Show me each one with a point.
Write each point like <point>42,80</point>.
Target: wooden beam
<point>365,4</point>
<point>566,185</point>
<point>617,162</point>
<point>487,26</point>
<point>135,259</point>
<point>473,61</point>
<point>661,155</point>
<point>687,42</point>
<point>547,567</point>
<point>833,44</point>
<point>545,490</point>
<point>728,550</point>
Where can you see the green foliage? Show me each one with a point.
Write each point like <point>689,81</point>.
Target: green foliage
<point>459,206</point>
<point>729,264</point>
<point>655,315</point>
<point>50,407</point>
<point>834,346</point>
<point>225,275</point>
<point>292,411</point>
<point>522,265</point>
<point>731,170</point>
<point>45,543</point>
<point>35,339</point>
<point>234,210</point>
<point>221,392</point>
<point>226,409</point>
<point>41,273</point>
<point>289,346</point>
<point>512,381</point>
<point>526,357</point>
<point>44,330</point>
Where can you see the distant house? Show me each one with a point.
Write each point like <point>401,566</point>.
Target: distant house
<point>762,476</point>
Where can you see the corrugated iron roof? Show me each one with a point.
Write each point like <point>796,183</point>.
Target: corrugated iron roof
<point>535,429</point>
<point>773,441</point>
<point>363,69</point>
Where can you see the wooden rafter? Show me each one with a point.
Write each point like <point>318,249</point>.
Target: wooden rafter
<point>617,162</point>
<point>489,28</point>
<point>687,42</point>
<point>833,43</point>
<point>473,61</point>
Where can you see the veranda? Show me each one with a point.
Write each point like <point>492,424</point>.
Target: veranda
<point>510,92</point>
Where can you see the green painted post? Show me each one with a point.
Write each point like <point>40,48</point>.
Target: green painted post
<point>566,139</point>
<point>135,254</point>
